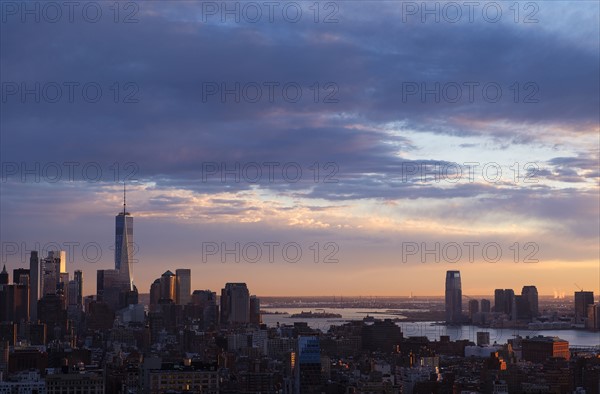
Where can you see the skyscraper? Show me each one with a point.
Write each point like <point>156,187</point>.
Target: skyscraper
<point>183,286</point>
<point>509,304</point>
<point>18,273</point>
<point>14,298</point>
<point>124,245</point>
<point>522,307</point>
<point>255,310</point>
<point>155,292</point>
<point>4,276</point>
<point>62,265</point>
<point>34,284</point>
<point>582,300</point>
<point>531,294</point>
<point>235,303</point>
<point>50,272</point>
<point>207,300</point>
<point>499,303</point>
<point>115,287</point>
<point>308,370</point>
<point>473,308</point>
<point>79,280</point>
<point>100,285</point>
<point>453,297</point>
<point>485,305</point>
<point>167,286</point>
<point>72,291</point>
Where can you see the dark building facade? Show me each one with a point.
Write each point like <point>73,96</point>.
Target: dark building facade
<point>453,297</point>
<point>582,300</point>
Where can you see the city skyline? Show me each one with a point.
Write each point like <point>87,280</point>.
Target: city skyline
<point>394,159</point>
<point>300,197</point>
<point>124,225</point>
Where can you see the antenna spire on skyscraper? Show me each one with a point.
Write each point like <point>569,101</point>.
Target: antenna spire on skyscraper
<point>124,198</point>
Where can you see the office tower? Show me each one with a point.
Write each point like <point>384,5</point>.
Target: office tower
<point>62,255</point>
<point>308,370</point>
<point>473,308</point>
<point>34,284</point>
<point>21,300</point>
<point>115,287</point>
<point>50,273</point>
<point>4,276</point>
<point>52,311</point>
<point>124,245</point>
<point>499,301</point>
<point>63,282</point>
<point>531,294</point>
<point>235,304</point>
<point>18,273</point>
<point>203,297</point>
<point>72,293</point>
<point>167,286</point>
<point>485,306</point>
<point>183,286</point>
<point>207,300</point>
<point>582,300</point>
<point>593,317</point>
<point>509,304</point>
<point>155,292</point>
<point>99,285</point>
<point>453,297</point>
<point>109,288</point>
<point>79,280</point>
<point>255,310</point>
<point>14,301</point>
<point>522,307</point>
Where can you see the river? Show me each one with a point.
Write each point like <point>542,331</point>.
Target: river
<point>431,330</point>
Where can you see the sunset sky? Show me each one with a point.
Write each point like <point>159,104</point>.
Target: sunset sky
<point>369,202</point>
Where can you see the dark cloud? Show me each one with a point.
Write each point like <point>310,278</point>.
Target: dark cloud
<point>370,57</point>
<point>171,130</point>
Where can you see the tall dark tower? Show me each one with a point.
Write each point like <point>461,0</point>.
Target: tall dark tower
<point>531,295</point>
<point>79,281</point>
<point>499,301</point>
<point>124,244</point>
<point>4,276</point>
<point>34,284</point>
<point>453,297</point>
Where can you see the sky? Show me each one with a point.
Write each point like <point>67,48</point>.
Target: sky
<point>331,148</point>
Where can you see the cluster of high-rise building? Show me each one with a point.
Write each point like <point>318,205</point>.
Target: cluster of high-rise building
<point>53,339</point>
<point>523,307</point>
<point>43,287</point>
<point>514,310</point>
